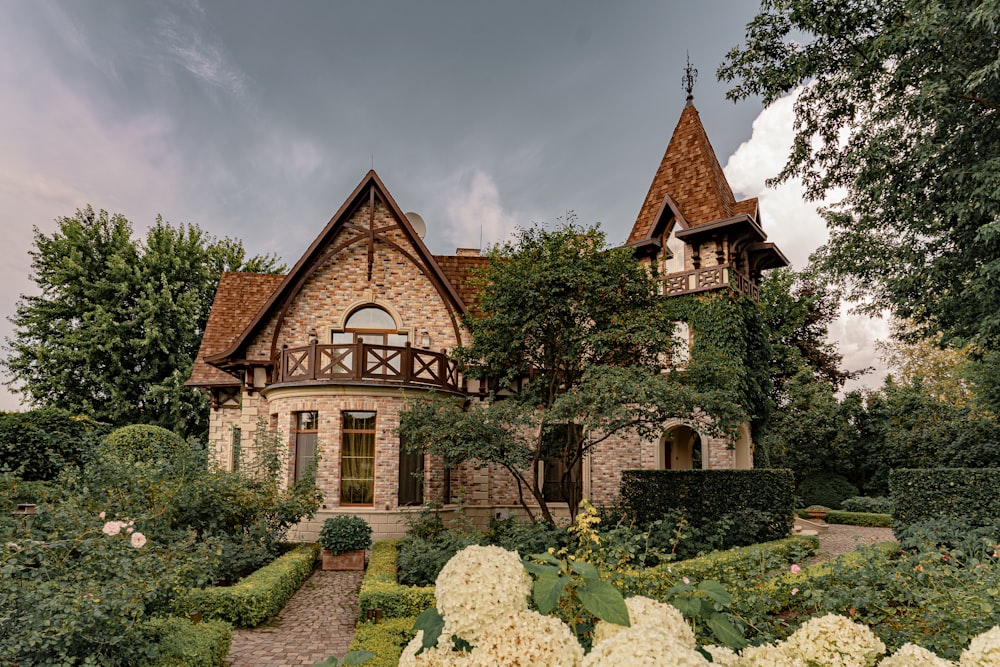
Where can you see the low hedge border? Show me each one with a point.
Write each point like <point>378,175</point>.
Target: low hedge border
<point>260,595</point>
<point>739,565</point>
<point>186,644</point>
<point>386,639</point>
<point>865,519</point>
<point>379,589</point>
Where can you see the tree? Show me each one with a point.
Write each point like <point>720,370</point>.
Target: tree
<point>576,337</point>
<point>899,105</point>
<point>115,328</point>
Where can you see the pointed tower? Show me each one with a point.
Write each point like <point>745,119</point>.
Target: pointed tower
<point>690,224</point>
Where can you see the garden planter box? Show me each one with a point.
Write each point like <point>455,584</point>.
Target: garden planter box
<point>349,560</point>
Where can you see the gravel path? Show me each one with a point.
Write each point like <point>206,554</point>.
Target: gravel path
<point>840,539</point>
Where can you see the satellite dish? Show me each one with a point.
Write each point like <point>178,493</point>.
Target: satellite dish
<point>418,224</point>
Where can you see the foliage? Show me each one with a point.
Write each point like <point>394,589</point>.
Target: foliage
<point>964,494</point>
<point>350,658</point>
<point>37,444</point>
<point>888,84</point>
<point>181,643</point>
<point>576,334</point>
<point>379,589</point>
<point>115,328</point>
<point>826,489</point>
<point>743,506</point>
<point>260,595</point>
<point>877,505</point>
<point>345,533</point>
<point>870,519</point>
<point>386,640</point>
<point>142,443</point>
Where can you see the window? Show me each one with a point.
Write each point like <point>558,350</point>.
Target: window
<point>373,326</point>
<point>411,476</point>
<point>553,465</point>
<point>306,434</point>
<point>357,459</point>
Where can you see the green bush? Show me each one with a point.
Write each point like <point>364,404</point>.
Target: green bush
<point>345,533</point>
<point>826,489</point>
<point>386,640</point>
<point>729,507</point>
<point>969,494</point>
<point>142,443</point>
<point>868,519</point>
<point>876,505</point>
<point>181,643</point>
<point>37,444</point>
<point>379,589</point>
<point>259,596</point>
<point>421,559</point>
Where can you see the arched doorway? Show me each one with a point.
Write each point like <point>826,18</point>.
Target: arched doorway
<point>681,449</point>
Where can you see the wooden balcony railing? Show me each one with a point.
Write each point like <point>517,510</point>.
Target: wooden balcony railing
<point>709,278</point>
<point>365,362</point>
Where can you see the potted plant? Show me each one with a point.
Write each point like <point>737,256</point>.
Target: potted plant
<point>344,540</point>
<point>817,512</point>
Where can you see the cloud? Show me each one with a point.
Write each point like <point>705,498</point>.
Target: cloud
<point>475,216</point>
<point>798,229</point>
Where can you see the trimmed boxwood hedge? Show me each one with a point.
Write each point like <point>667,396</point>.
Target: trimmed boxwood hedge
<point>379,589</point>
<point>755,505</point>
<point>867,519</point>
<point>921,494</point>
<point>186,644</point>
<point>386,640</point>
<point>260,595</point>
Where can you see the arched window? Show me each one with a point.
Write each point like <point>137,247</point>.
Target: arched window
<point>370,324</point>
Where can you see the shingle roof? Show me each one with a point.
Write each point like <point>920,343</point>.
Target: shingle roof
<point>691,175</point>
<point>459,271</point>
<point>237,299</point>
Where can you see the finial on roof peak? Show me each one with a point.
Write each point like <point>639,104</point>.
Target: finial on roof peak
<point>690,76</point>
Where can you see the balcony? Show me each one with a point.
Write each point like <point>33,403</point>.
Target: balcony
<point>368,363</point>
<point>710,278</point>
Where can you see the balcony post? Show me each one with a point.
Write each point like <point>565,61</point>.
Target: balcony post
<point>407,363</point>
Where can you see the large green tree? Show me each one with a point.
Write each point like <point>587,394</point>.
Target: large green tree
<point>900,107</point>
<point>115,326</point>
<point>576,342</point>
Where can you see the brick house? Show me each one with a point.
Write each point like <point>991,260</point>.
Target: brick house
<point>329,354</point>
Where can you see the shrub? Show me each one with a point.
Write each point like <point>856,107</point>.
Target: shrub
<point>868,519</point>
<point>259,596</point>
<point>142,443</point>
<point>181,643</point>
<point>966,494</point>
<point>379,589</point>
<point>345,533</point>
<point>876,505</point>
<point>37,444</point>
<point>826,489</point>
<point>386,640</point>
<point>729,507</point>
<point>421,559</point>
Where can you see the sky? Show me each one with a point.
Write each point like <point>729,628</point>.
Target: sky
<point>255,120</point>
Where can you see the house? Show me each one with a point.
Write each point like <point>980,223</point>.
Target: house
<point>329,354</point>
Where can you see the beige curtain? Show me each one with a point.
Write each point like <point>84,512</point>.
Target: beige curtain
<point>357,459</point>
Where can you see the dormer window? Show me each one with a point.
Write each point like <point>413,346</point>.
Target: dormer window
<point>372,325</point>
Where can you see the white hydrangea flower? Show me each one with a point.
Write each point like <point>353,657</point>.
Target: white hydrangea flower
<point>644,612</point>
<point>769,655</point>
<point>722,655</point>
<point>479,585</point>
<point>983,651</point>
<point>835,641</point>
<point>441,655</point>
<point>643,646</point>
<point>911,655</point>
<point>527,639</point>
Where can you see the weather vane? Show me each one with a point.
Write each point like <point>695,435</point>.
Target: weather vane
<point>690,76</point>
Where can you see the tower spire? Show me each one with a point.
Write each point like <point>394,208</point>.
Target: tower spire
<point>687,81</point>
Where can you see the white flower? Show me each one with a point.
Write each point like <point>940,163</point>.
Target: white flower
<point>441,655</point>
<point>113,527</point>
<point>644,612</point>
<point>138,540</point>
<point>835,641</point>
<point>722,655</point>
<point>983,651</point>
<point>527,639</point>
<point>477,586</point>
<point>643,646</point>
<point>769,655</point>
<point>911,655</point>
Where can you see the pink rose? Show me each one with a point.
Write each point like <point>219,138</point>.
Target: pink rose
<point>101,515</point>
<point>138,540</point>
<point>685,580</point>
<point>795,568</point>
<point>795,591</point>
<point>112,527</point>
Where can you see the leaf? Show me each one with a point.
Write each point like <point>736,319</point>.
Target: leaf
<point>547,591</point>
<point>726,632</point>
<point>540,570</point>
<point>545,557</point>
<point>357,657</point>
<point>604,601</point>
<point>716,591</point>
<point>432,623</point>
<point>586,570</point>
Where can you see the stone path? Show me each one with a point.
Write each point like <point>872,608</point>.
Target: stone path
<point>317,622</point>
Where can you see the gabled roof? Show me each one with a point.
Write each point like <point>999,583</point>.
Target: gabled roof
<point>238,297</point>
<point>689,184</point>
<point>368,189</point>
<point>460,272</point>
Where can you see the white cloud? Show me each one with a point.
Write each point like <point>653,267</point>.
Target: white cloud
<point>476,218</point>
<point>797,228</point>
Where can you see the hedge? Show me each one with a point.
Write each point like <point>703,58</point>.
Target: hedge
<point>969,494</point>
<point>867,519</point>
<point>38,444</point>
<point>386,640</point>
<point>752,506</point>
<point>260,595</point>
<point>186,644</point>
<point>379,589</point>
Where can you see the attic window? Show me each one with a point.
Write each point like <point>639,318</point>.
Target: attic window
<point>370,318</point>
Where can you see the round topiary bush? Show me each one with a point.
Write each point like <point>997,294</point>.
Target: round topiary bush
<point>826,489</point>
<point>345,533</point>
<point>142,443</point>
